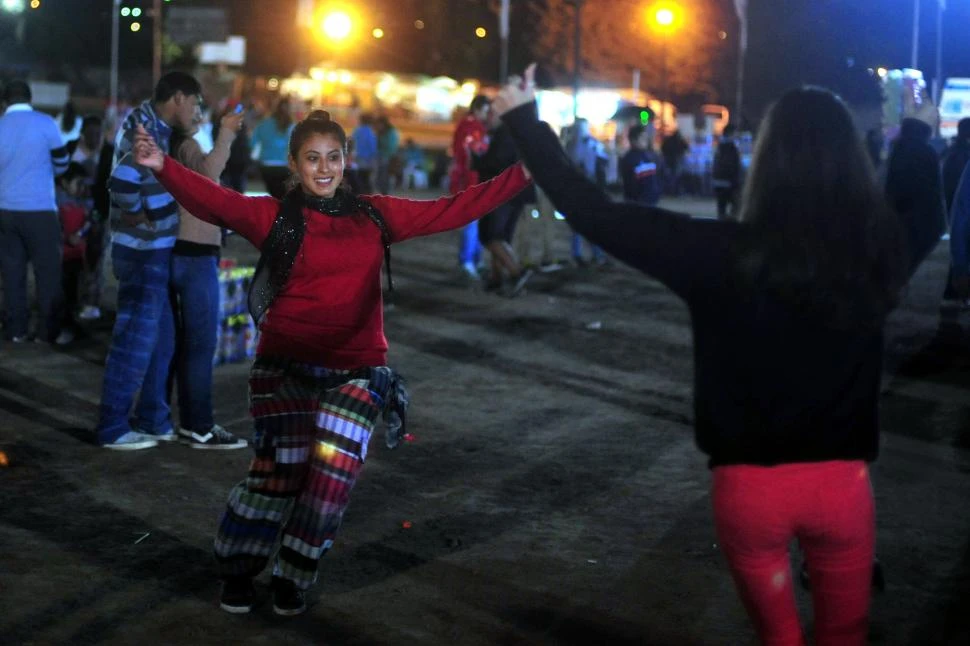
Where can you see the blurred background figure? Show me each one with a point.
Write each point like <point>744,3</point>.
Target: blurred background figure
<point>364,139</point>
<point>727,175</point>
<point>270,140</point>
<point>234,176</point>
<point>414,175</point>
<point>388,161</point>
<point>470,138</point>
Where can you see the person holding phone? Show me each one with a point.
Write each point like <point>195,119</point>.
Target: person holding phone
<point>195,296</point>
<point>788,305</point>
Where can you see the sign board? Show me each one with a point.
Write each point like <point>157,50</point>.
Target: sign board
<point>49,95</point>
<point>231,52</point>
<point>194,25</point>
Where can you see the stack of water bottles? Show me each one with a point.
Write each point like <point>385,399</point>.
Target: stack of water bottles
<point>236,336</point>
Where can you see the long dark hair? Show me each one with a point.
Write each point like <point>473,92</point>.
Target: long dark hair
<point>819,236</point>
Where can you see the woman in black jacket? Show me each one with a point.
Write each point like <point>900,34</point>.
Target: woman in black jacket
<point>787,308</point>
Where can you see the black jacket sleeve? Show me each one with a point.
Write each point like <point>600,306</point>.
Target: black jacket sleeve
<point>669,246</point>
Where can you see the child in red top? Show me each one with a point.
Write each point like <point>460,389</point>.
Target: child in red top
<point>319,380</point>
<point>73,211</point>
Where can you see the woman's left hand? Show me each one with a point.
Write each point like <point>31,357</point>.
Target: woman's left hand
<point>516,93</point>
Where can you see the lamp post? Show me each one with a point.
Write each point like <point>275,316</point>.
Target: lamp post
<point>577,55</point>
<point>665,19</point>
<point>115,19</point>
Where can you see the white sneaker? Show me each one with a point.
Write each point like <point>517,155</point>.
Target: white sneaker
<point>65,337</point>
<point>89,313</point>
<point>132,441</point>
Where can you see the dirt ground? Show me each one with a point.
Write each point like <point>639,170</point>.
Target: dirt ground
<point>553,493</point>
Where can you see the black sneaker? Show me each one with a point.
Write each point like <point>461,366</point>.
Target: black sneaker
<point>288,600</point>
<point>217,438</point>
<point>238,595</point>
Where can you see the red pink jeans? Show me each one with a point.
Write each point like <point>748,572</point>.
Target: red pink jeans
<point>829,508</point>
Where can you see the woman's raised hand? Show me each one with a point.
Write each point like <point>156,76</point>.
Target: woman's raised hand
<point>145,151</point>
<point>518,91</point>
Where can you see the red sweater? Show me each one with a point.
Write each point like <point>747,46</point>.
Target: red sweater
<point>330,312</point>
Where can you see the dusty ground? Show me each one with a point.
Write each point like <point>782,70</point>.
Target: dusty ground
<point>553,489</point>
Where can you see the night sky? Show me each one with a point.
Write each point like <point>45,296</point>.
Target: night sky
<point>827,42</point>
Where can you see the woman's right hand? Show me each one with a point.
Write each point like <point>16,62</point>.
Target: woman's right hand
<point>145,151</point>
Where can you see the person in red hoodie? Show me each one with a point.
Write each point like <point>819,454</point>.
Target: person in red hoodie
<point>73,213</point>
<point>320,379</point>
<point>469,141</point>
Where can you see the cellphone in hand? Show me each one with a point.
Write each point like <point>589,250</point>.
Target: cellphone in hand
<point>238,109</point>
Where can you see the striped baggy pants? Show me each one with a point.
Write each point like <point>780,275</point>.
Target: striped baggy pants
<point>312,426</point>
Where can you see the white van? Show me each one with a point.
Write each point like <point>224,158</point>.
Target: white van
<point>954,105</point>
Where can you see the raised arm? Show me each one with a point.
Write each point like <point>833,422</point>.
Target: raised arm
<point>251,217</point>
<point>60,158</point>
<point>413,218</point>
<point>661,243</point>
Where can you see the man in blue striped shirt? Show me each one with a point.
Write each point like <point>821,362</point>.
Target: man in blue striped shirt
<point>31,155</point>
<point>144,226</point>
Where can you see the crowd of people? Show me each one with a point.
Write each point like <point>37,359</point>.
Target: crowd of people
<point>788,289</point>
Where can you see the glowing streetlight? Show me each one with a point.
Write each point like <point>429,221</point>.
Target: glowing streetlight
<point>337,25</point>
<point>377,33</point>
<point>481,32</point>
<point>666,17</point>
<point>882,71</point>
<point>34,4</point>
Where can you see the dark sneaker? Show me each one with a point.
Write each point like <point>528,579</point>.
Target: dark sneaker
<point>288,600</point>
<point>217,439</point>
<point>238,595</point>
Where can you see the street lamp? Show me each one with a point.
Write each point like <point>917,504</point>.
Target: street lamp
<point>665,17</point>
<point>337,25</point>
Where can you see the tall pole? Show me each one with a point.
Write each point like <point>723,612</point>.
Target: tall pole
<point>663,86</point>
<point>577,57</point>
<point>115,17</point>
<point>938,76</point>
<point>503,31</point>
<point>742,10</point>
<point>914,60</point>
<point>157,42</point>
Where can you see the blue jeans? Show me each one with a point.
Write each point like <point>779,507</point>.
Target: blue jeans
<point>470,250</point>
<point>195,299</point>
<point>141,346</point>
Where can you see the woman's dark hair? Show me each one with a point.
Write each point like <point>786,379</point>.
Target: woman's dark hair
<point>317,122</point>
<point>819,234</point>
<point>68,117</point>
<point>282,116</point>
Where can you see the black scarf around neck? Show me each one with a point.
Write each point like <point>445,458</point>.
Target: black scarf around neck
<point>285,239</point>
